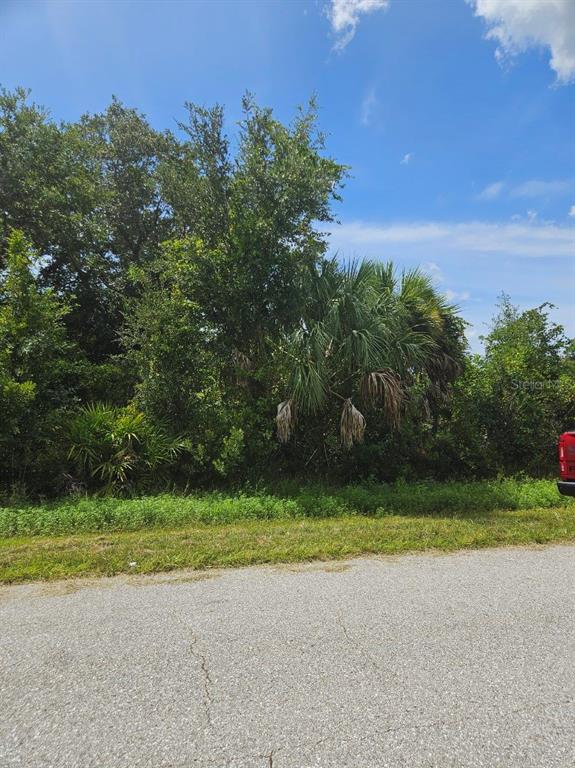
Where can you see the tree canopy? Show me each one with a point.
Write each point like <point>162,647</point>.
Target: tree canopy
<point>168,294</point>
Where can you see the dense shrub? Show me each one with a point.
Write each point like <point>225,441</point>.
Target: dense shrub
<point>115,449</point>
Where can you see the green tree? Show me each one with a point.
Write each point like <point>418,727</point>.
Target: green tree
<point>512,403</point>
<point>213,305</point>
<point>127,153</point>
<point>368,339</point>
<point>33,354</point>
<point>88,196</point>
<point>252,219</point>
<point>51,188</point>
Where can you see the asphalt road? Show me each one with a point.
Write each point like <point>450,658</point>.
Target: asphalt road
<point>427,660</point>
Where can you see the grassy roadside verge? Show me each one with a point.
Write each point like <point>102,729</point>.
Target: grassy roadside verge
<point>284,501</point>
<point>248,542</point>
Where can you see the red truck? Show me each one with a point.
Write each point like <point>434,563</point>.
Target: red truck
<point>566,447</point>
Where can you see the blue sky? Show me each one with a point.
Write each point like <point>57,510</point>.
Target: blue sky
<point>457,117</point>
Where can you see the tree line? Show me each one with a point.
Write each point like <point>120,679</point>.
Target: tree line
<point>169,317</point>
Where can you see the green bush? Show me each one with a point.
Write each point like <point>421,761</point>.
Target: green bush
<point>117,449</point>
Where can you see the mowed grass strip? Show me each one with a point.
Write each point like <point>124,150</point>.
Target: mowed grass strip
<point>274,541</point>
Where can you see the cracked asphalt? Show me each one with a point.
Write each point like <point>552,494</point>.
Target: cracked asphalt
<point>427,660</point>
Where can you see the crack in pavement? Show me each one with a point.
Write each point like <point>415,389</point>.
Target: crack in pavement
<point>355,644</point>
<point>309,745</point>
<point>269,756</point>
<point>433,724</point>
<point>457,720</point>
<point>207,697</point>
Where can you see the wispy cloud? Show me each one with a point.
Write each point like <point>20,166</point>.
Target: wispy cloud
<point>407,158</point>
<point>434,270</point>
<point>491,191</point>
<point>512,239</point>
<point>456,295</point>
<point>533,188</point>
<point>572,211</point>
<point>541,188</point>
<point>344,16</point>
<point>436,273</point>
<point>472,262</point>
<point>517,25</point>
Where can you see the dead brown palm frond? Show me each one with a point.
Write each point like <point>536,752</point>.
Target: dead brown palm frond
<point>351,425</point>
<point>425,404</point>
<point>285,420</point>
<point>385,387</point>
<point>241,360</point>
<point>243,366</point>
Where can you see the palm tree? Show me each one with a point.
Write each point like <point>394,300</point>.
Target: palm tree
<point>364,338</point>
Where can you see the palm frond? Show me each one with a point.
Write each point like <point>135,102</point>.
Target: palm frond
<point>384,387</point>
<point>307,386</point>
<point>241,360</point>
<point>364,326</point>
<point>285,420</point>
<point>385,274</point>
<point>351,425</point>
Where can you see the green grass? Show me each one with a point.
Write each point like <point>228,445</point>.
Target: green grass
<point>286,502</point>
<point>274,541</point>
<point>103,536</point>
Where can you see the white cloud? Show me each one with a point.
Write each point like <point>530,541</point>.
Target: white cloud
<point>517,25</point>
<point>471,262</point>
<point>572,211</point>
<point>434,270</point>
<point>407,158</point>
<point>531,217</point>
<point>344,16</point>
<point>473,237</point>
<point>541,188</point>
<point>491,191</point>
<point>533,188</point>
<point>456,295</point>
